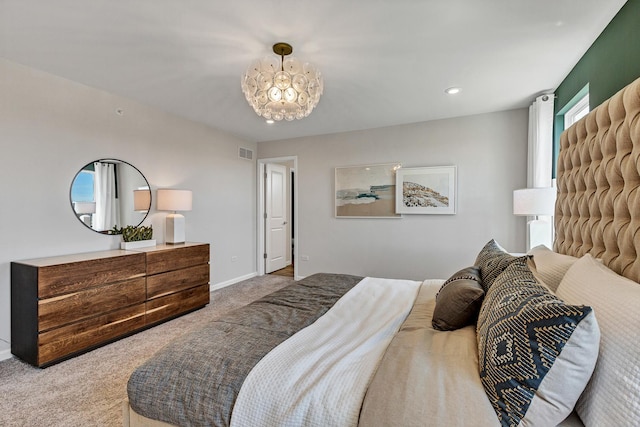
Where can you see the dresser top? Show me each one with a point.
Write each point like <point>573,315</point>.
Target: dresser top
<point>66,259</point>
<point>166,247</point>
<point>87,256</point>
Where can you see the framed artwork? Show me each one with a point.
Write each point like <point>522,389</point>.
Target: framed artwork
<point>429,190</point>
<point>367,191</point>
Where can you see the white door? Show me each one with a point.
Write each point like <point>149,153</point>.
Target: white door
<point>276,217</point>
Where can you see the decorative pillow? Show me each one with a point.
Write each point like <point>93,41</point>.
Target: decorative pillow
<point>536,353</point>
<point>458,301</point>
<point>492,260</point>
<point>612,397</point>
<point>549,267</point>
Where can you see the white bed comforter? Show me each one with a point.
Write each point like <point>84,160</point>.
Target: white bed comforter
<point>333,359</point>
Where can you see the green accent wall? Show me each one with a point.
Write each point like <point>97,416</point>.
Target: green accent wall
<point>611,63</point>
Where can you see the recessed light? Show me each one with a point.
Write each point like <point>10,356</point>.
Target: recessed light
<point>270,122</point>
<point>452,90</point>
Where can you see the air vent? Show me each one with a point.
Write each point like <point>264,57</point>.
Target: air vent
<point>245,153</point>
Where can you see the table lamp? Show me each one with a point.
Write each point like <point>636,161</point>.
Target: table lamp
<point>536,202</point>
<point>141,200</point>
<point>85,211</point>
<point>174,200</point>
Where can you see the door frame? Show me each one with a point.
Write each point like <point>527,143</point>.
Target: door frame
<point>261,241</point>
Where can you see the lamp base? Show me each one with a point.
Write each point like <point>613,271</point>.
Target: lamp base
<point>539,232</point>
<point>174,229</point>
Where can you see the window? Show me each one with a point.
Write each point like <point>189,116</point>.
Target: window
<point>578,111</point>
<point>572,111</point>
<point>82,189</point>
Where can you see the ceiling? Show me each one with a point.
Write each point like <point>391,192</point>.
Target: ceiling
<point>384,62</point>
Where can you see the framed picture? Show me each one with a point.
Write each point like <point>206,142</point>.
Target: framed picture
<point>367,191</point>
<point>429,190</point>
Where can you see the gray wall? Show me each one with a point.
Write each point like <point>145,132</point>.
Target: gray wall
<point>51,127</point>
<point>490,152</point>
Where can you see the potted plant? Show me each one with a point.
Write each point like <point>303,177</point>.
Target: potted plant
<point>135,237</point>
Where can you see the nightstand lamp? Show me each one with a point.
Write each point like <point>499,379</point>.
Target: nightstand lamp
<point>85,211</point>
<point>174,200</point>
<point>536,202</point>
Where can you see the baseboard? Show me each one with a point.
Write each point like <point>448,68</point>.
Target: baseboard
<point>299,278</point>
<point>5,350</point>
<point>232,281</point>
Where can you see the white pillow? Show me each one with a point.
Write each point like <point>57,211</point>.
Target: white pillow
<point>612,397</point>
<point>548,266</point>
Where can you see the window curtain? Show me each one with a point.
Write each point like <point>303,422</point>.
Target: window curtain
<point>540,165</point>
<point>539,170</point>
<point>106,215</point>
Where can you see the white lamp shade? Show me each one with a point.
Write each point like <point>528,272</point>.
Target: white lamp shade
<point>534,201</point>
<point>174,200</point>
<point>141,200</point>
<point>84,207</point>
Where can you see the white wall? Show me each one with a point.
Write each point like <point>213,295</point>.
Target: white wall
<point>490,152</point>
<point>51,127</point>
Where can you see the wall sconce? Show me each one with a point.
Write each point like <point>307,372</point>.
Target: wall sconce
<point>536,202</point>
<point>174,200</point>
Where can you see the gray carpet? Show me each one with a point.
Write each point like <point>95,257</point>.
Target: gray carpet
<point>88,390</point>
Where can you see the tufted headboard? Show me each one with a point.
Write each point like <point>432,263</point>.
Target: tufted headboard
<point>598,204</point>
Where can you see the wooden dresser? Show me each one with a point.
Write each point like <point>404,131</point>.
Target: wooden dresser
<point>66,305</point>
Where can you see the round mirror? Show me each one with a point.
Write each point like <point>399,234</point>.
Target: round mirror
<point>110,193</point>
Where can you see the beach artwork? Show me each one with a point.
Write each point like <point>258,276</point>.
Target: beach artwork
<point>428,190</point>
<point>367,191</point>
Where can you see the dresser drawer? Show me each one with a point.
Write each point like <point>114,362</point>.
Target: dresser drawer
<point>62,279</point>
<point>176,258</point>
<point>61,310</point>
<point>177,280</point>
<point>163,308</point>
<point>80,336</point>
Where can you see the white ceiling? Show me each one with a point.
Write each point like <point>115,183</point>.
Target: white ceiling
<point>384,62</point>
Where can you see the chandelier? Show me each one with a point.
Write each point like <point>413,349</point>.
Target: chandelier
<point>286,90</point>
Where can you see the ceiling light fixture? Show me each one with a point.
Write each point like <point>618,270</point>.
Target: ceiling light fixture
<point>289,90</point>
<point>452,90</point>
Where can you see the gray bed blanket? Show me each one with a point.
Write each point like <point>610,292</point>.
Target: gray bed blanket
<point>195,380</point>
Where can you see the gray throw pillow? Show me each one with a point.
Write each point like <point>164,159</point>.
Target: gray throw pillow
<point>458,301</point>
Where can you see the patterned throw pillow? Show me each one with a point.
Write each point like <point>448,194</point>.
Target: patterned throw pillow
<point>536,353</point>
<point>492,260</point>
<point>458,301</point>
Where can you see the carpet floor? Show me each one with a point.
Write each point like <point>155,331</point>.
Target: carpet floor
<point>88,390</point>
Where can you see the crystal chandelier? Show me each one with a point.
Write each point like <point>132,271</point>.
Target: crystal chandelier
<point>286,90</point>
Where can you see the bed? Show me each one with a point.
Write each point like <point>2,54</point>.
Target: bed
<point>551,337</point>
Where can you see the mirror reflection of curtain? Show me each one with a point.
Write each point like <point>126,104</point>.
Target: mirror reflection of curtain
<point>106,215</point>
